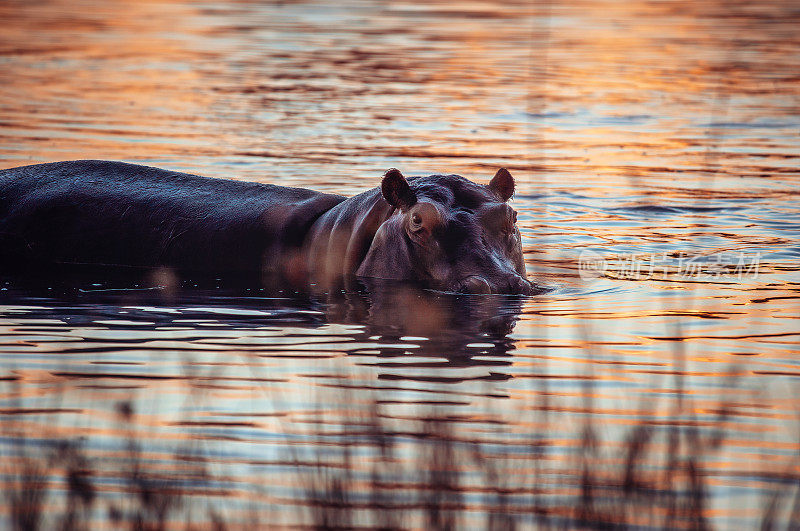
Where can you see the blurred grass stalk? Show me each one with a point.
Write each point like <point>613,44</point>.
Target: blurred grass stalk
<point>363,466</point>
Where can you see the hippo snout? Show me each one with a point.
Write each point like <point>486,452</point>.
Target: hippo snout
<point>512,284</point>
<point>518,285</point>
<point>474,284</point>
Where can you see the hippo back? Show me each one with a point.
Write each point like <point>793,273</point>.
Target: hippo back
<point>101,212</point>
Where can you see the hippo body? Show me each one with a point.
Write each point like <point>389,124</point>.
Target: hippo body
<point>114,213</point>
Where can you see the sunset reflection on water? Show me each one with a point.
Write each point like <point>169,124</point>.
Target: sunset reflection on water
<point>665,132</point>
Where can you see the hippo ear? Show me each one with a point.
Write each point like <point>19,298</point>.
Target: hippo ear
<point>502,184</point>
<point>396,191</point>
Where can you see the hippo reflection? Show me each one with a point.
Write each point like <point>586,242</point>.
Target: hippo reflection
<point>456,328</point>
<point>442,232</point>
<point>449,322</point>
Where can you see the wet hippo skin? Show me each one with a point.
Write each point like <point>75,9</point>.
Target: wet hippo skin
<point>441,231</point>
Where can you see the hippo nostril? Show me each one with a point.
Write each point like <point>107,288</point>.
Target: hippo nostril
<point>519,286</point>
<point>475,284</point>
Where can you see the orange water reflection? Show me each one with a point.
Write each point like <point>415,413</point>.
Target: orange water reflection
<point>666,131</point>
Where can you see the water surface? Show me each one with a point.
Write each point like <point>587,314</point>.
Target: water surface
<point>661,392</point>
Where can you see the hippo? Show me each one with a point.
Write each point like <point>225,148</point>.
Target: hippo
<point>441,232</point>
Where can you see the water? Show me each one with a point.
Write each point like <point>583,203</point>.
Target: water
<point>659,392</point>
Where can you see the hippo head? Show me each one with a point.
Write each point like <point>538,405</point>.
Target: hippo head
<point>450,234</point>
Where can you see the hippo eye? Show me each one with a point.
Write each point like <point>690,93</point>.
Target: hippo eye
<point>416,219</point>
